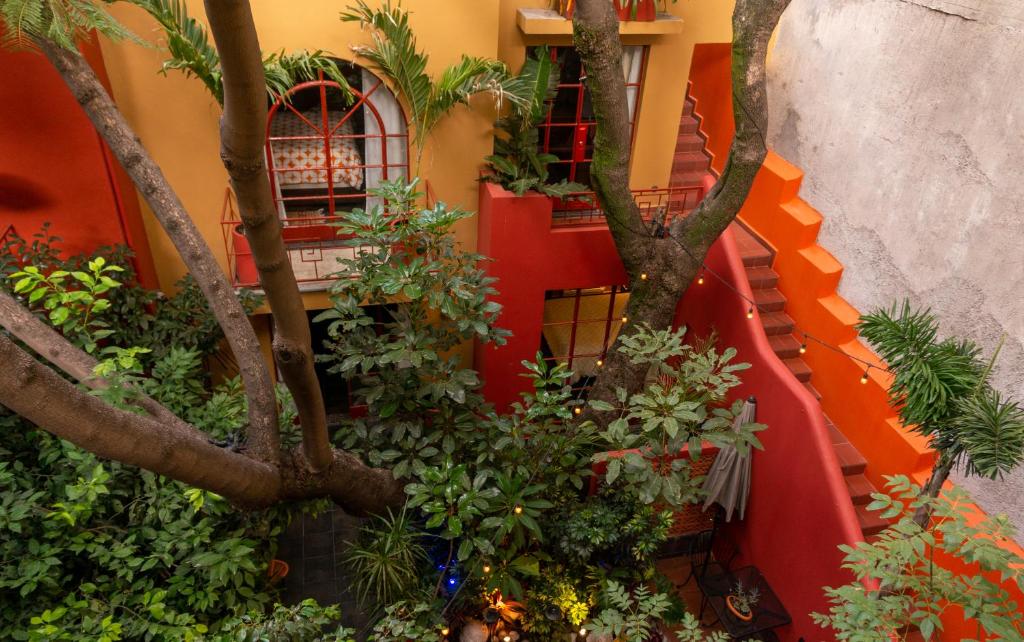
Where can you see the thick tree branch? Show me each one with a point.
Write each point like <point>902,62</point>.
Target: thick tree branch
<point>242,139</point>
<point>78,365</point>
<point>670,264</point>
<point>40,395</point>
<point>151,183</point>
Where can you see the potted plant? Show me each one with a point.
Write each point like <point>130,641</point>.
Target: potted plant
<point>741,602</point>
<point>637,10</point>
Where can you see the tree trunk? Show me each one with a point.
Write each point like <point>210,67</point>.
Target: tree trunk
<point>940,473</point>
<point>151,183</point>
<point>243,128</point>
<point>669,263</point>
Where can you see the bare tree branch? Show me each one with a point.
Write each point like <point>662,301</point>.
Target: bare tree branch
<point>40,395</point>
<point>149,179</point>
<point>669,264</point>
<point>78,365</point>
<point>242,139</point>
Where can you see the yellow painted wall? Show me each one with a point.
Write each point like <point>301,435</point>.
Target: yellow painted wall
<point>177,120</point>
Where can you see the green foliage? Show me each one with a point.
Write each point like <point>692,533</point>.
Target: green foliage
<point>72,300</point>
<point>909,589</point>
<point>690,630</point>
<point>386,559</point>
<point>192,54</point>
<point>99,550</point>
<point>395,56</point>
<point>629,615</point>
<point>682,406</point>
<point>941,389</point>
<point>404,621</point>
<point>63,22</point>
<point>304,622</point>
<point>516,164</point>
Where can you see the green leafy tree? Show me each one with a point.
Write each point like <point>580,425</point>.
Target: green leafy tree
<point>941,390</point>
<point>911,590</point>
<point>682,406</point>
<point>395,55</point>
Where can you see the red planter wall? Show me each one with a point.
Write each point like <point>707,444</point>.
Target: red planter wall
<point>799,509</point>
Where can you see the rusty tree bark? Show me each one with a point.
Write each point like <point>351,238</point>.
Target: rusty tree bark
<point>670,262</point>
<point>242,135</point>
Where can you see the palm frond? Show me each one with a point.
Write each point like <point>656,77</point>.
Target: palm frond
<point>991,431</point>
<point>283,71</point>
<point>63,22</point>
<point>188,44</point>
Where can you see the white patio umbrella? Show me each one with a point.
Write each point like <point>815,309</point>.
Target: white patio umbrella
<point>728,481</point>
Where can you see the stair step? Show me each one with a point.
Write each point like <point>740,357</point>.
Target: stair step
<point>870,522</point>
<point>687,106</point>
<point>687,179</point>
<point>693,161</point>
<point>688,125</point>
<point>769,300</point>
<point>812,390</point>
<point>689,143</point>
<point>850,459</point>
<point>784,345</point>
<point>762,276</point>
<point>834,433</point>
<point>777,323</point>
<point>860,489</point>
<point>800,370</point>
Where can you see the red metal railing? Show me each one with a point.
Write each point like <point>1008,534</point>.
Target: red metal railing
<point>659,206</point>
<point>313,244</point>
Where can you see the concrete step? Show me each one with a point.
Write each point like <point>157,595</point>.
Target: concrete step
<point>850,460</point>
<point>689,143</point>
<point>687,179</point>
<point>687,107</point>
<point>784,345</point>
<point>860,489</point>
<point>777,323</point>
<point>870,522</point>
<point>689,126</point>
<point>812,390</point>
<point>693,161</point>
<point>769,300</point>
<point>800,370</point>
<point>762,276</point>
<point>834,433</point>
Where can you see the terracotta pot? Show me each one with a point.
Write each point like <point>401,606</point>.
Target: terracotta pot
<point>730,601</point>
<point>277,570</point>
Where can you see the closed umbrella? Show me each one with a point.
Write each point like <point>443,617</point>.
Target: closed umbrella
<point>728,481</point>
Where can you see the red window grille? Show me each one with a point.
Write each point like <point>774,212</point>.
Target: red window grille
<point>324,154</point>
<point>569,127</point>
<point>579,327</point>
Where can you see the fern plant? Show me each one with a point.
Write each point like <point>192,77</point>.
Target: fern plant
<point>516,164</point>
<point>941,390</point>
<point>394,55</point>
<point>192,54</point>
<point>629,615</point>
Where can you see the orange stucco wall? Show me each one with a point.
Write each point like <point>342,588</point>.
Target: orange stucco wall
<point>711,89</point>
<point>808,277</point>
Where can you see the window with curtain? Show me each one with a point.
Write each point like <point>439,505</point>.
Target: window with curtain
<point>569,127</point>
<point>326,150</point>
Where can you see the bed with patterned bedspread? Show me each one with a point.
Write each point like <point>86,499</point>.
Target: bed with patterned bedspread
<point>305,158</point>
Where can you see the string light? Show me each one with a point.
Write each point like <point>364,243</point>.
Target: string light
<point>487,568</point>
<point>864,377</point>
<point>577,410</point>
<point>643,276</point>
<point>803,348</point>
<point>600,362</point>
<point>507,638</point>
<point>750,312</point>
<point>625,319</point>
<point>445,631</point>
<point>583,631</point>
<point>700,279</point>
<point>518,510</point>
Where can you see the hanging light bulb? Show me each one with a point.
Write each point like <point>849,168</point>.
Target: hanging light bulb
<point>750,312</point>
<point>864,377</point>
<point>625,319</point>
<point>444,631</point>
<point>507,638</point>
<point>700,279</point>
<point>487,568</point>
<point>643,276</point>
<point>600,362</point>
<point>803,348</point>
<point>577,410</point>
<point>518,510</point>
<point>583,631</point>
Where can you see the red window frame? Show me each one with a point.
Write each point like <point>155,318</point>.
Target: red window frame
<point>325,133</point>
<point>607,320</point>
<point>582,124</point>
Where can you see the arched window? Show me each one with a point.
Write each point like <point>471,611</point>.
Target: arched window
<point>325,153</point>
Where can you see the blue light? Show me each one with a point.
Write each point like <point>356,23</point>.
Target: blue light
<point>451,581</point>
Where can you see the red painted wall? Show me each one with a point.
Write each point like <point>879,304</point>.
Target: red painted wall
<point>799,509</point>
<point>54,167</point>
<point>711,90</point>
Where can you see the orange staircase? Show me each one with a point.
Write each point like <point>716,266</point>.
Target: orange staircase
<point>785,341</point>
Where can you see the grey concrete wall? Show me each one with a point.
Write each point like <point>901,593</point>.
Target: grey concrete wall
<point>907,117</point>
